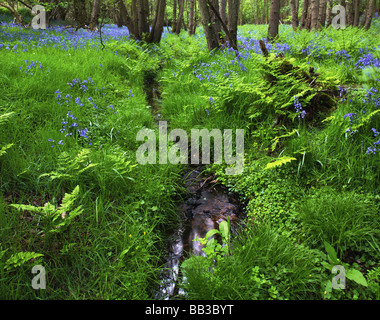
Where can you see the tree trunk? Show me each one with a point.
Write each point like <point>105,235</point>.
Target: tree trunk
<point>328,13</point>
<point>95,14</point>
<point>314,14</point>
<point>233,14</point>
<point>180,16</point>
<point>304,14</point>
<point>222,10</point>
<point>322,13</point>
<point>158,23</point>
<point>370,14</point>
<point>349,13</point>
<point>124,18</point>
<point>294,12</point>
<point>356,13</point>
<point>274,19</point>
<point>210,31</point>
<point>174,20</point>
<point>364,19</point>
<point>191,17</point>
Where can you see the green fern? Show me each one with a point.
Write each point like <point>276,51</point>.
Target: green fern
<point>3,118</point>
<point>70,168</point>
<point>279,162</point>
<point>20,258</point>
<point>277,139</point>
<point>56,220</point>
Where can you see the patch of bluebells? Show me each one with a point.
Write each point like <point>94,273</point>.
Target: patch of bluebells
<point>376,145</point>
<point>70,128</point>
<point>342,93</point>
<point>31,67</point>
<point>367,60</point>
<point>353,117</point>
<point>372,97</point>
<point>70,125</point>
<point>299,110</point>
<point>342,55</point>
<point>313,50</point>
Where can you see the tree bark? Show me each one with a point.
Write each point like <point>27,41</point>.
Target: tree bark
<point>158,23</point>
<point>180,16</point>
<point>328,13</point>
<point>233,14</point>
<point>294,12</point>
<point>212,36</point>
<point>222,10</point>
<point>322,13</point>
<point>314,14</point>
<point>191,17</point>
<point>370,14</point>
<point>274,19</point>
<point>174,20</point>
<point>304,14</point>
<point>95,14</point>
<point>356,13</point>
<point>349,13</point>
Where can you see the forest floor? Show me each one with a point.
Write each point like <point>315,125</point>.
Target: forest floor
<point>75,200</point>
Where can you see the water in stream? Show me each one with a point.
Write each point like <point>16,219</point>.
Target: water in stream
<point>208,204</point>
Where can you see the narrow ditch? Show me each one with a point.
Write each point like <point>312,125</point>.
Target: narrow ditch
<point>207,204</point>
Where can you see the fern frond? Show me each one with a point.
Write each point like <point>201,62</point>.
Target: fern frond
<point>279,162</point>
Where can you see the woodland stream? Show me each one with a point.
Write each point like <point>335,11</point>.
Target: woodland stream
<point>208,204</point>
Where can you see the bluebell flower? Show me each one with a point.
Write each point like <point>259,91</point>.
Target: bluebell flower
<point>299,110</point>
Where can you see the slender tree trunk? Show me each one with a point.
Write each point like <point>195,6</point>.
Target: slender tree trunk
<point>124,18</point>
<point>95,14</point>
<point>328,13</point>
<point>304,14</point>
<point>233,14</point>
<point>174,20</point>
<point>274,19</point>
<point>309,14</point>
<point>180,17</point>
<point>350,13</point>
<point>191,17</point>
<point>222,10</point>
<point>314,14</point>
<point>158,23</point>
<point>365,14</point>
<point>356,13</point>
<point>294,12</point>
<point>370,14</point>
<point>212,36</point>
<point>322,13</point>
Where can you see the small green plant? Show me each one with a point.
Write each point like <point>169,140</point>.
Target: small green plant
<point>213,249</point>
<point>20,258</point>
<point>56,220</point>
<point>350,273</point>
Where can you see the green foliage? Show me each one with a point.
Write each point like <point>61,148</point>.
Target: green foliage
<point>56,219</point>
<point>279,162</point>
<point>344,219</point>
<point>351,273</point>
<point>19,259</point>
